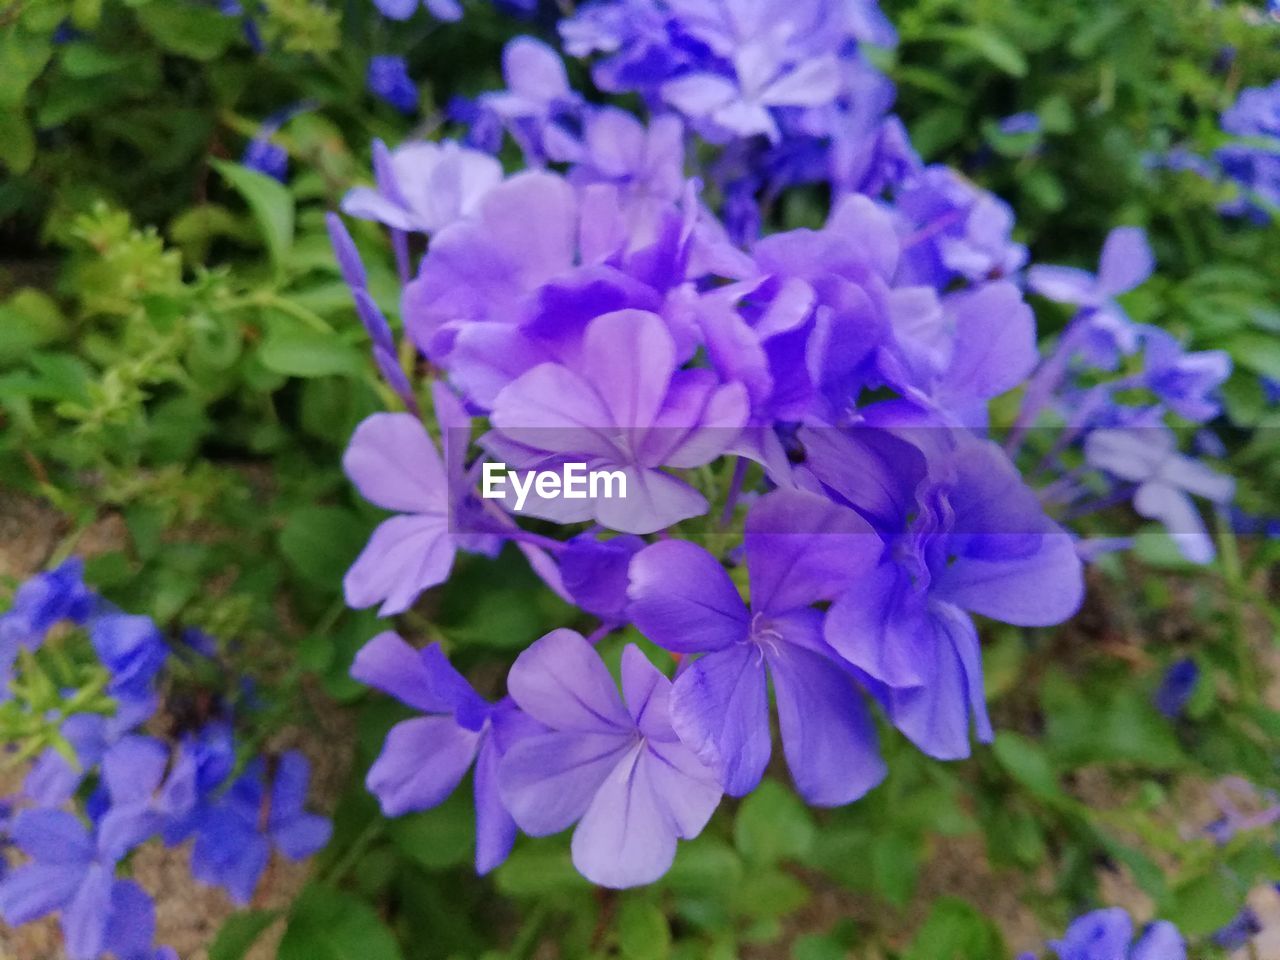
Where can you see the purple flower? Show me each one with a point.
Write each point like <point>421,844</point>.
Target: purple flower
<point>394,464</point>
<point>962,534</point>
<point>424,759</point>
<point>616,769</point>
<point>594,572</point>
<point>800,548</point>
<point>1106,935</point>
<point>40,603</point>
<point>266,157</point>
<point>538,107</point>
<point>955,230</point>
<point>52,779</point>
<point>423,186</point>
<point>624,407</point>
<point>142,800</point>
<point>1176,688</point>
<point>132,649</point>
<point>1165,482</point>
<point>388,79</point>
<point>1125,264</point>
<point>449,10</point>
<point>71,872</point>
<point>231,850</point>
<point>1185,381</point>
<point>1020,123</point>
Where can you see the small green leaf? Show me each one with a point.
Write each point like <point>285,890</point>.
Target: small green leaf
<point>773,824</point>
<point>439,838</point>
<point>1026,762</point>
<point>326,924</point>
<point>240,932</point>
<point>955,931</point>
<point>298,351</point>
<point>269,200</point>
<point>643,933</point>
<point>17,141</point>
<point>539,870</point>
<point>998,51</point>
<point>1205,903</point>
<point>1256,351</point>
<point>319,543</point>
<point>198,32</point>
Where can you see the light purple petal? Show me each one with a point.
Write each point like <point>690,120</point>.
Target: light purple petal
<point>1064,284</point>
<point>394,464</point>
<point>133,768</point>
<point>1176,510</point>
<point>629,356</point>
<point>53,837</point>
<point>1126,261</point>
<point>654,500</point>
<point>421,763</point>
<point>131,926</point>
<point>534,70</point>
<point>625,838</point>
<point>561,681</point>
<point>548,780</point>
<point>391,665</point>
<point>84,924</point>
<point>995,341</point>
<point>33,891</point>
<point>405,556</point>
<point>687,789</point>
<point>1161,941</point>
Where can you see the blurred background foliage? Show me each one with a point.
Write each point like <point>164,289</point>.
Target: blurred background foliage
<point>177,349</point>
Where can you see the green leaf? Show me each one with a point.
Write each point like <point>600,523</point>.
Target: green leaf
<point>270,202</point>
<point>1205,904</point>
<point>770,894</point>
<point>17,141</point>
<point>198,32</point>
<point>643,932</point>
<point>319,543</point>
<point>298,351</point>
<point>954,930</point>
<point>998,51</point>
<point>22,59</point>
<point>240,932</point>
<point>439,838</point>
<point>28,320</point>
<point>539,870</point>
<point>706,864</point>
<point>326,924</point>
<point>1256,351</point>
<point>773,824</point>
<point>1026,762</point>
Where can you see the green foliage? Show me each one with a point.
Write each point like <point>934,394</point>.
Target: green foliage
<point>179,356</point>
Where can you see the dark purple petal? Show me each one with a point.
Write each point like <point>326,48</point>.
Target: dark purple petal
<point>827,734</point>
<point>720,709</point>
<point>682,599</point>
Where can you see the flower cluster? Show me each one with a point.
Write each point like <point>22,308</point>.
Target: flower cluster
<point>1108,935</point>
<point>1253,162</point>
<point>128,785</point>
<point>801,423</point>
